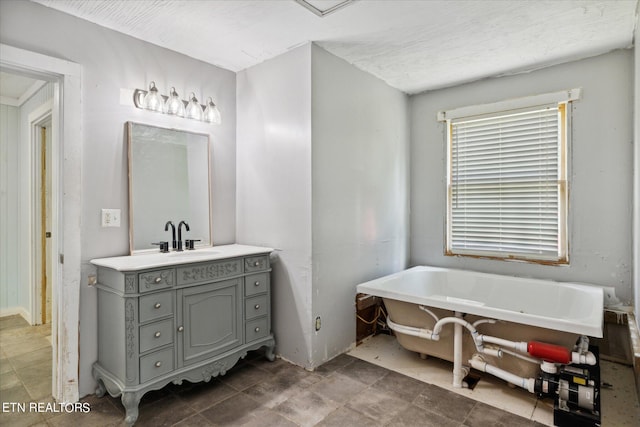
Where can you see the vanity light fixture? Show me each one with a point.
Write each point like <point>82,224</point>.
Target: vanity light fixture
<point>152,100</point>
<point>193,109</point>
<point>211,112</point>
<point>174,104</point>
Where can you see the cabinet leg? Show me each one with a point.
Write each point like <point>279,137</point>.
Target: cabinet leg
<point>270,353</point>
<point>101,389</point>
<point>130,402</point>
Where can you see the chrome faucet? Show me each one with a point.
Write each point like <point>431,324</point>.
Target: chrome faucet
<point>173,233</point>
<point>186,226</point>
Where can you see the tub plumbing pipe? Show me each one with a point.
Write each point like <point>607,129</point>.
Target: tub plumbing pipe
<point>434,335</point>
<point>410,330</point>
<point>481,321</point>
<point>459,322</point>
<point>522,356</point>
<point>511,345</point>
<point>431,313</point>
<point>528,384</point>
<point>459,371</point>
<point>559,354</point>
<point>587,358</point>
<point>543,351</point>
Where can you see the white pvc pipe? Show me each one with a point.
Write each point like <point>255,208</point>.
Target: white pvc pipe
<point>495,352</point>
<point>426,310</point>
<point>513,345</point>
<point>526,383</point>
<point>481,321</point>
<point>457,320</point>
<point>457,351</point>
<point>411,330</point>
<point>523,356</point>
<point>586,358</point>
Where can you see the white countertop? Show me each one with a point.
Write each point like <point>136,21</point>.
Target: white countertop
<point>149,260</point>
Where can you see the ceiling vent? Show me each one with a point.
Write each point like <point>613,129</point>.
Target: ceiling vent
<point>323,8</point>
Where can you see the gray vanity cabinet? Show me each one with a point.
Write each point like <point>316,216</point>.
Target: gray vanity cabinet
<point>189,321</point>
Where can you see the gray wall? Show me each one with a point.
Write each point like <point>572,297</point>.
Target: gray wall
<point>360,189</point>
<point>10,301</point>
<point>274,187</point>
<point>112,61</point>
<point>601,170</point>
<point>322,177</point>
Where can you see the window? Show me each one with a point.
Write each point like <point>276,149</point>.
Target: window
<point>507,179</point>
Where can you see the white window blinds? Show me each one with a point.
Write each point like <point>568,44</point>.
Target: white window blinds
<point>507,184</point>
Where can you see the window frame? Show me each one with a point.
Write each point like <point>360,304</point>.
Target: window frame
<point>561,100</point>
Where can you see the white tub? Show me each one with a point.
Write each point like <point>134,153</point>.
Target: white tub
<point>526,309</point>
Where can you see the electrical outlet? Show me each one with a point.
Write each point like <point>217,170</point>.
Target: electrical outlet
<point>111,217</point>
<point>92,280</point>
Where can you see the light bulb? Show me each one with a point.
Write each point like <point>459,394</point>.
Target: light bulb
<point>211,112</point>
<point>153,100</point>
<point>193,110</point>
<point>174,104</point>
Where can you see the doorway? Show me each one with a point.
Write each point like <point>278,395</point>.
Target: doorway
<point>65,209</point>
<point>27,282</point>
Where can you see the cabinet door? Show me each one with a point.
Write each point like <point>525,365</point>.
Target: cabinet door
<point>211,320</point>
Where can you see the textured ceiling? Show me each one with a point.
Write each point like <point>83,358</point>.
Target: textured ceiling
<point>412,45</point>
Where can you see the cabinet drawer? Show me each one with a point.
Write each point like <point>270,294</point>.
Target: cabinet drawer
<point>155,364</point>
<point>156,305</point>
<point>156,335</point>
<point>256,329</point>
<point>154,280</point>
<point>256,284</point>
<point>256,306</point>
<point>256,263</point>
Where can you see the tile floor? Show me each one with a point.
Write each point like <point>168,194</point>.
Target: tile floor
<point>346,391</point>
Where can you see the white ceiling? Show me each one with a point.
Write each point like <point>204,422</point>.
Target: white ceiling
<point>411,45</point>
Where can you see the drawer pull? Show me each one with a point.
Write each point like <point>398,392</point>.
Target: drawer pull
<point>257,306</point>
<point>158,279</point>
<point>181,328</point>
<point>256,264</point>
<point>257,329</point>
<point>157,334</point>
<point>257,283</point>
<point>157,305</point>
<point>158,364</point>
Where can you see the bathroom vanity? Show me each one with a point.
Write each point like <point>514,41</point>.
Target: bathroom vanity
<point>169,317</point>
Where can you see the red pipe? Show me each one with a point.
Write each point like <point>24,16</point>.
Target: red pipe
<point>549,352</point>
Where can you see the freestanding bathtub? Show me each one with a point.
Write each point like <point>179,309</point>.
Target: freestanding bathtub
<point>524,309</point>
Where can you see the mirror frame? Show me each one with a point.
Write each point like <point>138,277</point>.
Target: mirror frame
<point>129,130</point>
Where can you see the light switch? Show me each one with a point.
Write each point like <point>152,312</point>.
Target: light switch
<point>111,217</point>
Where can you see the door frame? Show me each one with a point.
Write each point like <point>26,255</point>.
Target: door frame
<point>41,115</point>
<point>66,207</point>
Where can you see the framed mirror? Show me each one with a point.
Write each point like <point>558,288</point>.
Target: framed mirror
<point>169,180</point>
